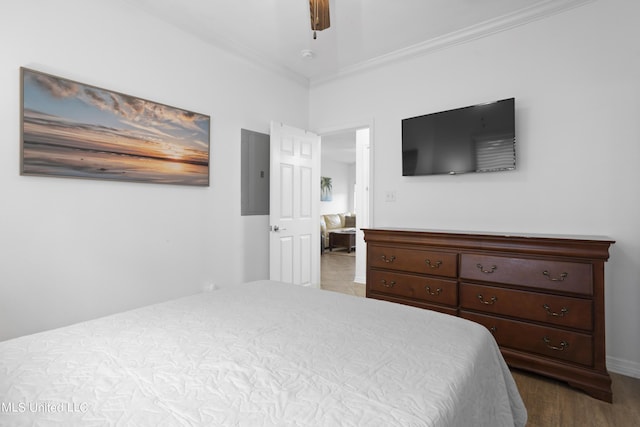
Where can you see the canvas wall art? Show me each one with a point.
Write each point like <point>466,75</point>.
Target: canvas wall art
<point>70,129</point>
<point>326,189</point>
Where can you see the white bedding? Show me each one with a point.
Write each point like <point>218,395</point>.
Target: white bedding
<point>261,354</point>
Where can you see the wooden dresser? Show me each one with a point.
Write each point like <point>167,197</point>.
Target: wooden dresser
<point>542,297</point>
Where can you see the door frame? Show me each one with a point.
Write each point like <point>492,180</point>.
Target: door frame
<point>346,127</point>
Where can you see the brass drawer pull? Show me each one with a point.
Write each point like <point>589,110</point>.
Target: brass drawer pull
<point>563,344</point>
<point>436,265</point>
<point>491,270</point>
<point>554,279</point>
<point>563,311</point>
<point>490,302</point>
<point>388,260</point>
<point>437,292</point>
<point>389,284</point>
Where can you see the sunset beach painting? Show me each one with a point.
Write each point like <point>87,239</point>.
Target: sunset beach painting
<point>70,129</point>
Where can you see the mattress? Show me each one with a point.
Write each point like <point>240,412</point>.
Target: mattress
<point>261,354</point>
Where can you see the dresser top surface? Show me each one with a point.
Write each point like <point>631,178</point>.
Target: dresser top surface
<point>495,234</point>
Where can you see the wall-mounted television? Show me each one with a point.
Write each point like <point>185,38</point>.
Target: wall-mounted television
<point>478,138</point>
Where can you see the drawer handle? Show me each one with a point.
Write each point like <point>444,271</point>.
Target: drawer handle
<point>389,284</point>
<point>436,265</point>
<point>493,329</point>
<point>388,260</point>
<point>437,292</point>
<point>555,279</point>
<point>562,347</point>
<point>491,270</point>
<point>490,302</point>
<point>563,311</point>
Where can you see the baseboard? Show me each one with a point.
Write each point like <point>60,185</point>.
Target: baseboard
<point>623,367</point>
<point>360,279</point>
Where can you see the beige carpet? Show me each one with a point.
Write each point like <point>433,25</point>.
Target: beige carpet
<point>337,272</point>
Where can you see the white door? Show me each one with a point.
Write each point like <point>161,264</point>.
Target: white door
<point>294,206</point>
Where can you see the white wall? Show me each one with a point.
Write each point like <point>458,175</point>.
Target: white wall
<point>342,179</point>
<point>76,249</point>
<point>575,77</point>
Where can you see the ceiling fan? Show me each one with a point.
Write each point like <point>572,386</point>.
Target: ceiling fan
<point>319,15</point>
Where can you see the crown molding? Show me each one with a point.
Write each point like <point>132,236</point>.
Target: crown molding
<point>255,58</point>
<point>483,29</point>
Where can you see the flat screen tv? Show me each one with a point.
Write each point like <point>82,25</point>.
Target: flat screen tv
<point>478,138</point>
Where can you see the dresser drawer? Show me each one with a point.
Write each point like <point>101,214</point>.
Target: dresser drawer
<point>439,291</point>
<point>413,260</point>
<point>557,343</point>
<point>558,276</point>
<point>554,309</point>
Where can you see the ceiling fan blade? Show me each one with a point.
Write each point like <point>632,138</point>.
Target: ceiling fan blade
<point>319,14</point>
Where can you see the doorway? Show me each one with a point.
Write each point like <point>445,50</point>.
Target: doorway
<point>345,166</point>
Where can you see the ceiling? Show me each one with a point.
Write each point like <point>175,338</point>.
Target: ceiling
<point>363,33</point>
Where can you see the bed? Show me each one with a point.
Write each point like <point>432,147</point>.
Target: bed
<point>261,354</point>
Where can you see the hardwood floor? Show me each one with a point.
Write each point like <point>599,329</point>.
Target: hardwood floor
<point>549,403</point>
<point>553,403</point>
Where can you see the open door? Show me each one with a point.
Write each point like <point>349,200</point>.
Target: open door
<point>294,203</point>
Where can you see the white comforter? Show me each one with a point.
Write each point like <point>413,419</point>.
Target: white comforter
<point>261,354</point>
